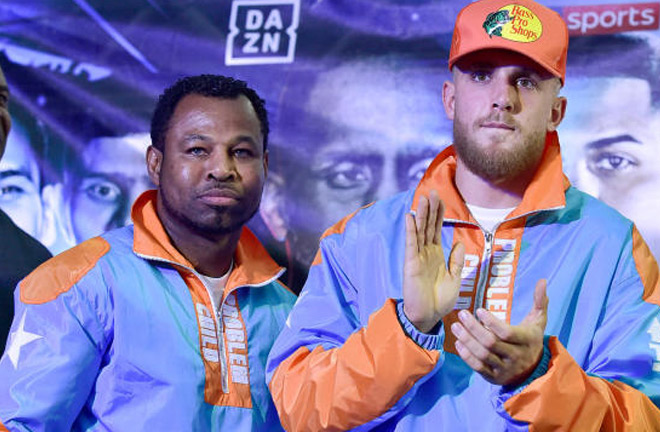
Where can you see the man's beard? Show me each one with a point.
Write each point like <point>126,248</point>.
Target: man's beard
<point>226,220</point>
<point>496,163</point>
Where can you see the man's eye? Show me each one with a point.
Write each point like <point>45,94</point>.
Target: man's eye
<point>242,153</point>
<point>480,76</point>
<point>610,163</point>
<point>526,83</point>
<point>10,192</point>
<point>347,175</point>
<point>102,191</point>
<point>416,172</point>
<point>196,151</point>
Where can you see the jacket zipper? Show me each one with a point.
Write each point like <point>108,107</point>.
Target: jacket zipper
<point>221,347</point>
<point>218,312</point>
<point>486,258</point>
<point>219,332</point>
<point>483,271</point>
<point>217,315</point>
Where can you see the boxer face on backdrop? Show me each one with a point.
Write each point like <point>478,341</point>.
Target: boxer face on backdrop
<point>616,136</point>
<point>372,130</point>
<point>20,182</point>
<point>112,176</point>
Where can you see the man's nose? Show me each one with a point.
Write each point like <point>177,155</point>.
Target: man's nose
<point>504,96</point>
<point>388,184</point>
<point>5,126</point>
<point>221,166</point>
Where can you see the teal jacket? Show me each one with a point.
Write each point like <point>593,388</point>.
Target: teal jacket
<point>120,334</point>
<point>347,359</point>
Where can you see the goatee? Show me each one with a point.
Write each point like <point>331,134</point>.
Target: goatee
<point>225,221</point>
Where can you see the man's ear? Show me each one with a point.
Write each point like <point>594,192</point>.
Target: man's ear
<point>266,164</point>
<point>272,206</point>
<point>449,98</point>
<point>557,113</point>
<point>154,163</point>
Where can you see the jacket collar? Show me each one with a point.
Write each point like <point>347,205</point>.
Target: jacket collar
<point>252,264</point>
<point>545,192</point>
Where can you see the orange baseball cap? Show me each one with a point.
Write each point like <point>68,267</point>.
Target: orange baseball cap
<point>523,26</point>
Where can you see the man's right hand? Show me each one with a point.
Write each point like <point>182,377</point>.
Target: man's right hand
<point>430,289</point>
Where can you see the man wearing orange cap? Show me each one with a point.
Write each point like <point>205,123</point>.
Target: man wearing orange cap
<point>385,335</point>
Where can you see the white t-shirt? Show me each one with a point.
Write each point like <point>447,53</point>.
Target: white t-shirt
<point>488,218</point>
<point>217,284</point>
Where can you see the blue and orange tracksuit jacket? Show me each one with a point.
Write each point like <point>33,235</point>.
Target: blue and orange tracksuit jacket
<point>345,361</point>
<point>120,334</point>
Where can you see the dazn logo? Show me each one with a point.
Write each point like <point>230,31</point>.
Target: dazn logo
<point>262,32</point>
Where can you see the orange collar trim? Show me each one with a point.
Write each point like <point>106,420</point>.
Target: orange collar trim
<point>252,264</point>
<point>546,191</point>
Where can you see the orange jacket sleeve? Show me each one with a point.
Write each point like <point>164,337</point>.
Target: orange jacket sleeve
<point>352,384</point>
<point>567,398</point>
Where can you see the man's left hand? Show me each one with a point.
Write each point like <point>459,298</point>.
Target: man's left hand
<point>502,353</point>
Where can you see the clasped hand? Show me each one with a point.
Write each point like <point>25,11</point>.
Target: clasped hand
<point>503,354</point>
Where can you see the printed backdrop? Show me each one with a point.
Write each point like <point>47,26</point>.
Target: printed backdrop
<point>352,87</point>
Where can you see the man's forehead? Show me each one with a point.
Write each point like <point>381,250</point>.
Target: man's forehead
<point>597,105</point>
<point>19,156</point>
<point>196,112</point>
<point>501,58</point>
<point>136,144</point>
<point>113,154</point>
<point>372,98</point>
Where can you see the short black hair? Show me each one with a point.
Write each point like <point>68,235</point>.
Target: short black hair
<point>217,86</point>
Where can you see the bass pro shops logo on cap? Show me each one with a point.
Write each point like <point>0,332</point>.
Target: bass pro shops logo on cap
<point>515,23</point>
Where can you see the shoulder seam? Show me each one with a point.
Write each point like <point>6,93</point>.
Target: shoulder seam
<point>38,289</point>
